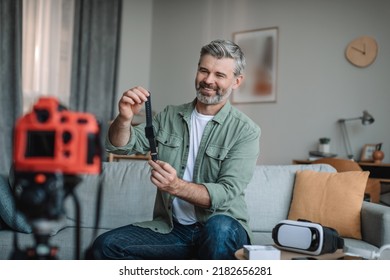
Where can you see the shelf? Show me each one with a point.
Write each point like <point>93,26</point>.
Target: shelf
<point>114,157</point>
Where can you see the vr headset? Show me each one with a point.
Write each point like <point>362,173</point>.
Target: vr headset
<point>306,237</point>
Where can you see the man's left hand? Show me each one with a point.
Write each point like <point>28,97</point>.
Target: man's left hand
<point>164,176</point>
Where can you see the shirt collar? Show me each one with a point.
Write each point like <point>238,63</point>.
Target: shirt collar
<point>219,117</point>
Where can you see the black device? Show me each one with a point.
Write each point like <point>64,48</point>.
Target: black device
<point>149,130</point>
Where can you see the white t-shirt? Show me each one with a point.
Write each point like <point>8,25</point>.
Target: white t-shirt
<point>183,211</point>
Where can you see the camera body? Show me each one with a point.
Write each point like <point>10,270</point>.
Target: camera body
<point>52,139</point>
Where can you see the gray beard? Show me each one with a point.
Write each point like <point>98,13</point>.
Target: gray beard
<point>212,100</point>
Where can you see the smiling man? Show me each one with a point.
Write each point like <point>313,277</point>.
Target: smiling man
<point>207,154</point>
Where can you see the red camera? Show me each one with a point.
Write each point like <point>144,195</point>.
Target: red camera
<point>52,139</point>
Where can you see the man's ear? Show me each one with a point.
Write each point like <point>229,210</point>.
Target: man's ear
<point>238,81</point>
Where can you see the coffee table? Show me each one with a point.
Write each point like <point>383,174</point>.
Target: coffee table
<point>287,255</point>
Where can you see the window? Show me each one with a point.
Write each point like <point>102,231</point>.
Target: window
<point>47,50</point>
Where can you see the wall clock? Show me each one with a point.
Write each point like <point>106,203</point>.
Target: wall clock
<point>362,51</point>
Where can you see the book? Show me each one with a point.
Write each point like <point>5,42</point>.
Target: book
<point>321,154</point>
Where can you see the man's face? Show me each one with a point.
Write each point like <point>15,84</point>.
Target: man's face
<point>215,79</point>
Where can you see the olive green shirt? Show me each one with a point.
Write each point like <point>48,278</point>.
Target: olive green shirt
<point>225,163</point>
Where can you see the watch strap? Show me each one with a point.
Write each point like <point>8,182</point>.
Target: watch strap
<point>149,130</point>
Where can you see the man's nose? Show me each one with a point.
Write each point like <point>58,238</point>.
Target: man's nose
<point>209,79</point>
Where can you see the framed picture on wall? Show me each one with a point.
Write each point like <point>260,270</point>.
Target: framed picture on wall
<point>260,48</point>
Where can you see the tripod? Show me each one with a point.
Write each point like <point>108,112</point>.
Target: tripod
<point>43,206</point>
<point>42,250</point>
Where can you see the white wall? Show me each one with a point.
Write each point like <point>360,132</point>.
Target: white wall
<point>135,45</point>
<point>316,85</point>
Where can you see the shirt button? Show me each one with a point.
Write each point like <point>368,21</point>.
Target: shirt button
<point>183,167</point>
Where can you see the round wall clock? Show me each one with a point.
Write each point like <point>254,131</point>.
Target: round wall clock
<point>362,51</point>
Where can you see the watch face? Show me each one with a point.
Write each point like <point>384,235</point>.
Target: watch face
<point>362,51</point>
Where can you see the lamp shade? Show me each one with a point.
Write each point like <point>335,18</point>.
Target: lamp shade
<point>367,118</point>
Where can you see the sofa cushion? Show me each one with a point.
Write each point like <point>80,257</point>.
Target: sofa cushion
<point>331,199</point>
<point>269,193</point>
<point>8,217</point>
<point>127,195</point>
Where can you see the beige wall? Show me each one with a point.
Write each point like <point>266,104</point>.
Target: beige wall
<point>316,85</point>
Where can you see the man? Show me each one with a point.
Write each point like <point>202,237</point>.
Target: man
<point>207,154</point>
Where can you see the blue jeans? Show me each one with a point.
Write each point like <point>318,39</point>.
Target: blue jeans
<point>219,238</point>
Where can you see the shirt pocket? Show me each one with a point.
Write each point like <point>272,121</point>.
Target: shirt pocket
<point>212,164</point>
<point>217,152</point>
<point>168,145</point>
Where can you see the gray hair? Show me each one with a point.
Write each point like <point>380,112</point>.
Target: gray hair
<point>226,49</point>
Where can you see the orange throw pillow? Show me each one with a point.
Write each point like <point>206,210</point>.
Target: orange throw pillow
<point>331,199</point>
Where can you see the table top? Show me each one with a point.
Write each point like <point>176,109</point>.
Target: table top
<point>379,171</point>
<point>361,163</point>
<point>367,163</point>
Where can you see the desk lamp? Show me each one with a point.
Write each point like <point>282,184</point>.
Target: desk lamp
<point>366,119</point>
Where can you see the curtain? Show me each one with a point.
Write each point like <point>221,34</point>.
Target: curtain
<point>10,76</point>
<point>95,58</point>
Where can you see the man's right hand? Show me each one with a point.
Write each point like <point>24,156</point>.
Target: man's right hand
<point>131,103</point>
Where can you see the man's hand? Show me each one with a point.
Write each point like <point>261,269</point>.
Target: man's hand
<point>129,105</point>
<point>164,176</point>
<point>131,102</point>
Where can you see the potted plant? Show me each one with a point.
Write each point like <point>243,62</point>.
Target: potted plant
<point>324,145</point>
